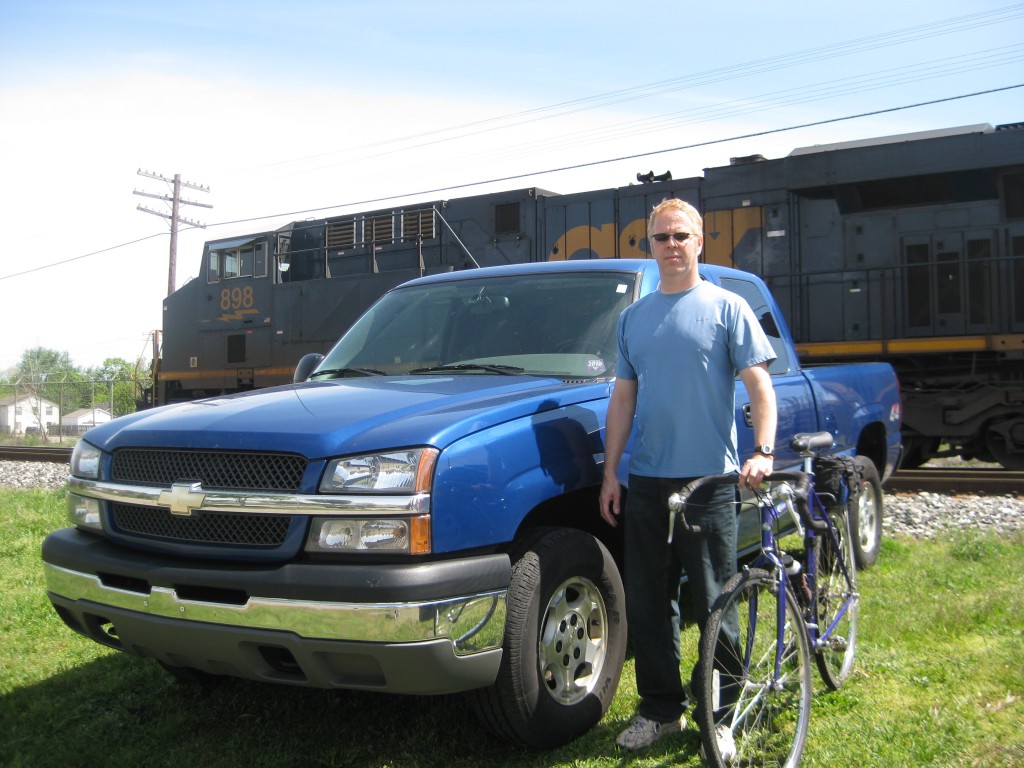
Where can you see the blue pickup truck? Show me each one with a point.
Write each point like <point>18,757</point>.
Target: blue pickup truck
<point>418,512</point>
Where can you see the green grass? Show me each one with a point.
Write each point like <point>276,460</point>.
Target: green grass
<point>939,681</point>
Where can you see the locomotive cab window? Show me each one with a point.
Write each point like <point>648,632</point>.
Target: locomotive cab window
<point>235,260</point>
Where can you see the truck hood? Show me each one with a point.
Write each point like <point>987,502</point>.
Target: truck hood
<point>346,416</point>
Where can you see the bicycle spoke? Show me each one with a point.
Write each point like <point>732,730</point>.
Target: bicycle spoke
<point>754,670</point>
<point>837,601</point>
<point>763,688</point>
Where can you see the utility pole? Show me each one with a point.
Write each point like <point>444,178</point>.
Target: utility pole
<point>176,202</point>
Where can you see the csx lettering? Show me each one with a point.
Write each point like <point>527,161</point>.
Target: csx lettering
<point>604,241</point>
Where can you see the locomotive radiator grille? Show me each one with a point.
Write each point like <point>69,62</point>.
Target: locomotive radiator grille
<point>208,528</point>
<point>214,469</point>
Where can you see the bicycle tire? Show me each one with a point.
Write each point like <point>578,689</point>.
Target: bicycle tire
<point>769,718</point>
<point>836,653</point>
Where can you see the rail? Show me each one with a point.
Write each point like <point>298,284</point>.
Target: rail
<point>945,480</point>
<point>57,455</point>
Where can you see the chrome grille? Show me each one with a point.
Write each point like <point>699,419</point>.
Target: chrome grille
<point>214,469</point>
<point>204,528</point>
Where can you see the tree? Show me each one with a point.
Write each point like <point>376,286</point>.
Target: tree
<point>38,374</point>
<point>47,375</point>
<point>121,379</point>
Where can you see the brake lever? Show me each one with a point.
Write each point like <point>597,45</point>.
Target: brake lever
<point>676,505</point>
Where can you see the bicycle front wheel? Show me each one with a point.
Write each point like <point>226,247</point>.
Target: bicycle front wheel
<point>754,676</point>
<point>837,600</point>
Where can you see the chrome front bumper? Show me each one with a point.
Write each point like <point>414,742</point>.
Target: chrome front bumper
<point>325,625</point>
<point>473,623</point>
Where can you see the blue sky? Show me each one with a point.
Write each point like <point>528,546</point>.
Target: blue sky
<point>282,108</point>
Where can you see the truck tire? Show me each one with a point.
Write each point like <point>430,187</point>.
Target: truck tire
<point>867,512</point>
<point>564,645</point>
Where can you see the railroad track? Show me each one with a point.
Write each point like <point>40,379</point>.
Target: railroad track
<point>956,480</point>
<point>933,479</point>
<point>35,453</point>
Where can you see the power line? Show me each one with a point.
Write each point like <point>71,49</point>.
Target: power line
<point>514,177</point>
<point>955,25</point>
<point>763,101</point>
<point>578,166</point>
<point>83,256</point>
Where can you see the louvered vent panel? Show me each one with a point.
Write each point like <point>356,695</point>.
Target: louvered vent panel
<point>417,224</point>
<point>341,235</point>
<point>379,229</point>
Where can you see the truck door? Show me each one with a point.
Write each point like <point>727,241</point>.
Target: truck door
<point>793,395</point>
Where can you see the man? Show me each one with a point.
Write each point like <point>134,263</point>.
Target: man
<point>679,351</point>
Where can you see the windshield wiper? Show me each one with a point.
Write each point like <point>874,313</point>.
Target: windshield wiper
<point>504,370</point>
<point>343,371</point>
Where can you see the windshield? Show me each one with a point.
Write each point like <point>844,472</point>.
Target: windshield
<point>552,324</point>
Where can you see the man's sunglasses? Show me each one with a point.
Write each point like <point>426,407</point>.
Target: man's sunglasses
<point>679,237</point>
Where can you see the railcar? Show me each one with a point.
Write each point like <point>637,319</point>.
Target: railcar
<point>908,249</point>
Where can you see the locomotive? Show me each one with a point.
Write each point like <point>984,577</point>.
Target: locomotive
<point>907,249</point>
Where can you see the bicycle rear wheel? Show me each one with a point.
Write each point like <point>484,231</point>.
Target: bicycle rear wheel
<point>737,685</point>
<point>836,598</point>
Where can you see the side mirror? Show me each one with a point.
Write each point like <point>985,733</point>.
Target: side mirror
<point>306,366</point>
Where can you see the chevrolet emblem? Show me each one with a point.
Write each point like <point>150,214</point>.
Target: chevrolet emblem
<point>183,498</point>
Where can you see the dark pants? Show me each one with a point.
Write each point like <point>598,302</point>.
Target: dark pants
<point>653,570</point>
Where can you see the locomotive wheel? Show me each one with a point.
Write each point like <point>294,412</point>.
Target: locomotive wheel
<point>564,645</point>
<point>917,450</point>
<point>1001,445</point>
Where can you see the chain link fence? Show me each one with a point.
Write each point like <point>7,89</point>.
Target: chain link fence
<point>57,412</point>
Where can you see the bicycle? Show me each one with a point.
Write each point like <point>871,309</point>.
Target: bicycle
<point>753,681</point>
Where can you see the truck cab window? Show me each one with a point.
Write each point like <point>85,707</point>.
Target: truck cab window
<point>752,295</point>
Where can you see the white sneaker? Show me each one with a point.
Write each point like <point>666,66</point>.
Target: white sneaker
<point>643,732</point>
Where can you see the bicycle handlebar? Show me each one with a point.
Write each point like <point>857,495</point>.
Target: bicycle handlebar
<point>677,501</point>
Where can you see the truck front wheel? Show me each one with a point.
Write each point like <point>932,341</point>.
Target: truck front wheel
<point>565,641</point>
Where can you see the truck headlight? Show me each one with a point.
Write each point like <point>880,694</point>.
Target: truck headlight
<point>84,512</point>
<point>406,471</point>
<point>85,460</point>
<point>409,535</point>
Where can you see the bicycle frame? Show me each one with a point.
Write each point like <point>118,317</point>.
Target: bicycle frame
<point>773,506</point>
<point>766,669</point>
<point>817,638</point>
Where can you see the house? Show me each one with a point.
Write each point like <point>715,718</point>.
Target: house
<point>22,414</point>
<point>80,421</point>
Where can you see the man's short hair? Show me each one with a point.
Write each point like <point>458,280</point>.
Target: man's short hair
<point>676,204</point>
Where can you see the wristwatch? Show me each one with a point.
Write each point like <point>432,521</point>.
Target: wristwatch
<point>765,450</point>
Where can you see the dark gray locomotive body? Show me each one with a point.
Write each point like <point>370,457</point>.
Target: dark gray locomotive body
<point>908,249</point>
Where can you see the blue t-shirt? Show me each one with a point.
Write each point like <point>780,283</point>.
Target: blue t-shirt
<point>684,350</point>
